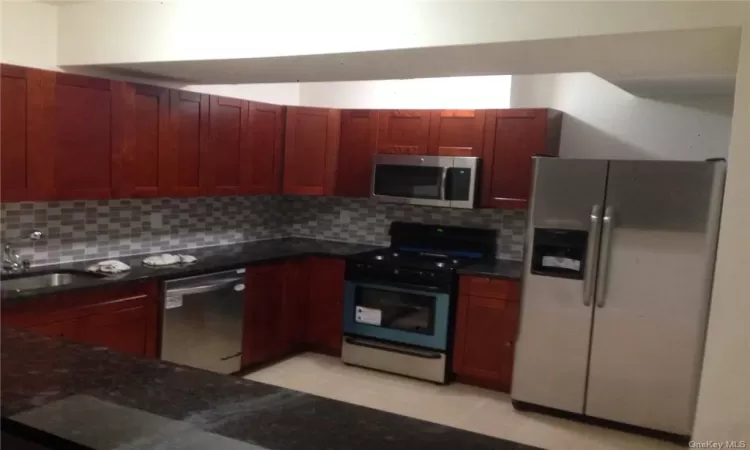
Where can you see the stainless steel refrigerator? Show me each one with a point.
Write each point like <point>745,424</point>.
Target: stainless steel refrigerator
<point>616,288</point>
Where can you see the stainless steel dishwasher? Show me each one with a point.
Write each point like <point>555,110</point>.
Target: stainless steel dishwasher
<point>202,321</point>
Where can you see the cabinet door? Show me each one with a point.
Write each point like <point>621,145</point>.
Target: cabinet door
<point>512,137</point>
<point>227,130</point>
<point>126,327</point>
<point>61,328</point>
<point>123,317</point>
<point>26,129</point>
<point>457,132</point>
<point>261,338</point>
<point>261,160</point>
<point>146,116</point>
<point>181,166</point>
<point>89,131</point>
<point>310,148</point>
<point>485,336</point>
<point>326,305</point>
<point>359,131</point>
<point>404,132</point>
<point>294,304</point>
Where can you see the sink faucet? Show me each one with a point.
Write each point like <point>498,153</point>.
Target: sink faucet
<point>12,261</point>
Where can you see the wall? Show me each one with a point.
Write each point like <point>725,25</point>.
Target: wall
<point>724,394</point>
<point>278,93</point>
<point>364,221</point>
<point>169,31</point>
<point>29,34</point>
<point>420,93</point>
<point>94,229</point>
<point>78,230</point>
<point>603,121</point>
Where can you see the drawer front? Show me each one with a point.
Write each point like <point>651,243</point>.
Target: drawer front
<point>507,290</point>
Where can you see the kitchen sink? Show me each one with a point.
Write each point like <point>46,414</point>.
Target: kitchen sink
<point>25,282</point>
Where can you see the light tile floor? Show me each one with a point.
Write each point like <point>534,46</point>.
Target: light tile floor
<point>457,405</point>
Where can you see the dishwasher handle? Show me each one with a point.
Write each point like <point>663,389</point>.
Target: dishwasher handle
<point>203,288</point>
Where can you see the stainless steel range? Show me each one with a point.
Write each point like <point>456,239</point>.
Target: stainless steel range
<point>399,302</point>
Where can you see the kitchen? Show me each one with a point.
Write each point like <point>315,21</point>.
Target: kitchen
<point>298,186</point>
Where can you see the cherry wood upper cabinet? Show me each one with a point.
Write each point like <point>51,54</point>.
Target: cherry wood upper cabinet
<point>136,171</point>
<point>457,132</point>
<point>182,164</point>
<point>89,131</point>
<point>311,147</point>
<point>228,128</point>
<point>26,134</point>
<point>359,132</point>
<point>512,136</point>
<point>404,131</point>
<point>262,156</point>
<point>326,305</point>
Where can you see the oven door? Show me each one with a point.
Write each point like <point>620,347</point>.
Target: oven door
<point>407,316</point>
<point>411,179</point>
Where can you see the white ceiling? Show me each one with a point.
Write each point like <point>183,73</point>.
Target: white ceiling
<point>700,61</point>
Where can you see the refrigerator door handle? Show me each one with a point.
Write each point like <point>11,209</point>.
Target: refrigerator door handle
<point>601,282</point>
<point>592,249</point>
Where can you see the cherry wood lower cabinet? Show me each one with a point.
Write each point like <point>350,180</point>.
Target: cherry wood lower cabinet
<point>292,306</point>
<point>326,305</point>
<point>123,318</point>
<point>486,329</point>
<point>275,300</point>
<point>262,335</point>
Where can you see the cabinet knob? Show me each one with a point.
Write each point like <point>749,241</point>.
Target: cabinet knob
<point>507,343</point>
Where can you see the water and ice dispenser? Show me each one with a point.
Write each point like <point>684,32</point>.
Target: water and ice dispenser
<point>559,253</point>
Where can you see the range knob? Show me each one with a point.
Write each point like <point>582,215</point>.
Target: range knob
<point>379,257</point>
<point>440,264</point>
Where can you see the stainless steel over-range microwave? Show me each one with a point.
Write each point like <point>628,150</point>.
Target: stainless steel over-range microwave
<point>448,181</point>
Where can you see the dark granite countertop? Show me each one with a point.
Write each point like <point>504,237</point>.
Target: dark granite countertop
<point>501,268</point>
<point>107,400</point>
<point>210,259</point>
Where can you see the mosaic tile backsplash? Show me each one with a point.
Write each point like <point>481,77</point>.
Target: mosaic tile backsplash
<point>365,221</point>
<point>94,229</point>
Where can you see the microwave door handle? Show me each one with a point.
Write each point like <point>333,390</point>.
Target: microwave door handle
<point>443,183</point>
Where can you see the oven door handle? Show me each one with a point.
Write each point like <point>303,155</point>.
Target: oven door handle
<point>394,348</point>
<point>399,287</point>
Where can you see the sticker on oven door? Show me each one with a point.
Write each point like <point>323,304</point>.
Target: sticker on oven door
<point>173,302</point>
<point>369,316</point>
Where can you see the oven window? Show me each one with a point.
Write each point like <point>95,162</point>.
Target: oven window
<point>408,181</point>
<point>403,311</point>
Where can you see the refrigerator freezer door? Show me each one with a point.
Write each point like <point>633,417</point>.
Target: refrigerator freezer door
<point>552,349</point>
<point>652,304</point>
